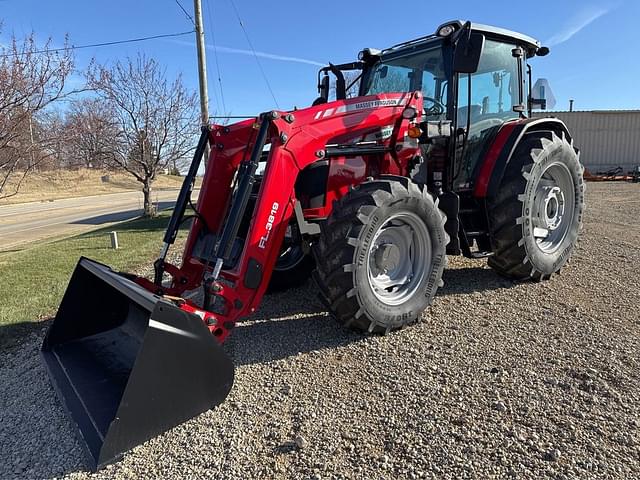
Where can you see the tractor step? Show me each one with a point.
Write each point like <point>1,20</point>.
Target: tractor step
<point>474,234</point>
<point>478,255</point>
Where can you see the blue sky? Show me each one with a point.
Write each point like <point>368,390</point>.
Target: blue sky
<point>591,57</point>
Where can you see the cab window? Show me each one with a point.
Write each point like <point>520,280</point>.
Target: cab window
<point>494,87</point>
<point>495,90</point>
<point>419,70</point>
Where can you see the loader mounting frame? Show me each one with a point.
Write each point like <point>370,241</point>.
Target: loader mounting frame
<point>234,275</point>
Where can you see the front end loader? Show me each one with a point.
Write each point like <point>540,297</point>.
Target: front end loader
<point>435,156</point>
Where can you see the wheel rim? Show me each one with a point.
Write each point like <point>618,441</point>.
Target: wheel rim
<point>399,257</point>
<point>553,207</point>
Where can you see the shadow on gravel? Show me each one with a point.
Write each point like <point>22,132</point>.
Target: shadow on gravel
<point>472,279</point>
<point>295,321</point>
<point>287,324</point>
<point>14,334</point>
<point>36,438</point>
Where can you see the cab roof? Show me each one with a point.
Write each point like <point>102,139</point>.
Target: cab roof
<point>529,43</point>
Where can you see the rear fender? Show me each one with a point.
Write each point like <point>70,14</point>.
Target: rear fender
<point>501,150</point>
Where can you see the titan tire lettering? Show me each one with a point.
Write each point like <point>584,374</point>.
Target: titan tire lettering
<point>343,249</point>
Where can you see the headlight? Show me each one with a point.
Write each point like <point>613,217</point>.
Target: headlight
<point>446,31</point>
<point>409,113</point>
<point>367,53</point>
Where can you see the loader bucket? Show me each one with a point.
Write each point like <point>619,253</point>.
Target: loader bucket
<point>127,364</point>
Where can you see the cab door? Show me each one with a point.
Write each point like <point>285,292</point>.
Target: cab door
<point>486,100</point>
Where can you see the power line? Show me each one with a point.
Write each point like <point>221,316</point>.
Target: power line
<point>103,44</point>
<point>215,55</point>
<point>187,14</point>
<point>264,75</point>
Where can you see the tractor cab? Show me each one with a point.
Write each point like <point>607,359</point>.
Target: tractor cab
<point>473,77</point>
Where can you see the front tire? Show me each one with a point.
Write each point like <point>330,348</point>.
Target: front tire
<point>380,255</point>
<point>536,216</point>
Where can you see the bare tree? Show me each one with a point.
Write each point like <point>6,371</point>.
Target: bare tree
<point>50,140</point>
<point>156,118</point>
<point>32,78</point>
<point>91,131</point>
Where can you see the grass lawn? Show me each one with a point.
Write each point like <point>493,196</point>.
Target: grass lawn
<point>34,280</point>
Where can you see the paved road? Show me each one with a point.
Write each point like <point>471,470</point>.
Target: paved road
<point>27,222</point>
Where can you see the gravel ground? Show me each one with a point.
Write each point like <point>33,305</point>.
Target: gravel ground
<point>498,380</point>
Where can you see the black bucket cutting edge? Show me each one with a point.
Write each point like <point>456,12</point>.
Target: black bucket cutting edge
<point>127,364</point>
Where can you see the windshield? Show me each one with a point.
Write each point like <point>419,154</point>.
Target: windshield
<point>419,70</point>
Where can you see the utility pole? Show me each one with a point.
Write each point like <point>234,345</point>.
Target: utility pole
<point>202,71</point>
<point>571,105</point>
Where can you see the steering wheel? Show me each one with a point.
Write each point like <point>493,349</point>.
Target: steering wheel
<point>438,108</point>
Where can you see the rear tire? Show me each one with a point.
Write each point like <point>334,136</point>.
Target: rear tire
<point>380,255</point>
<point>537,214</point>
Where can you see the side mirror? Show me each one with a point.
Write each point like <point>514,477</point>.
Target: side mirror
<point>323,87</point>
<point>341,86</point>
<point>468,51</point>
<point>323,90</point>
<point>537,103</point>
<point>542,51</point>
<point>541,95</point>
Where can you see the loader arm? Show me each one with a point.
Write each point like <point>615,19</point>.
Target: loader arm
<point>235,271</point>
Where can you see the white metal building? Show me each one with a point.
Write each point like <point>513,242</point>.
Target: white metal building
<point>606,138</point>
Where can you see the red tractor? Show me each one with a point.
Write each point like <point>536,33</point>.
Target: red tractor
<point>436,155</point>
